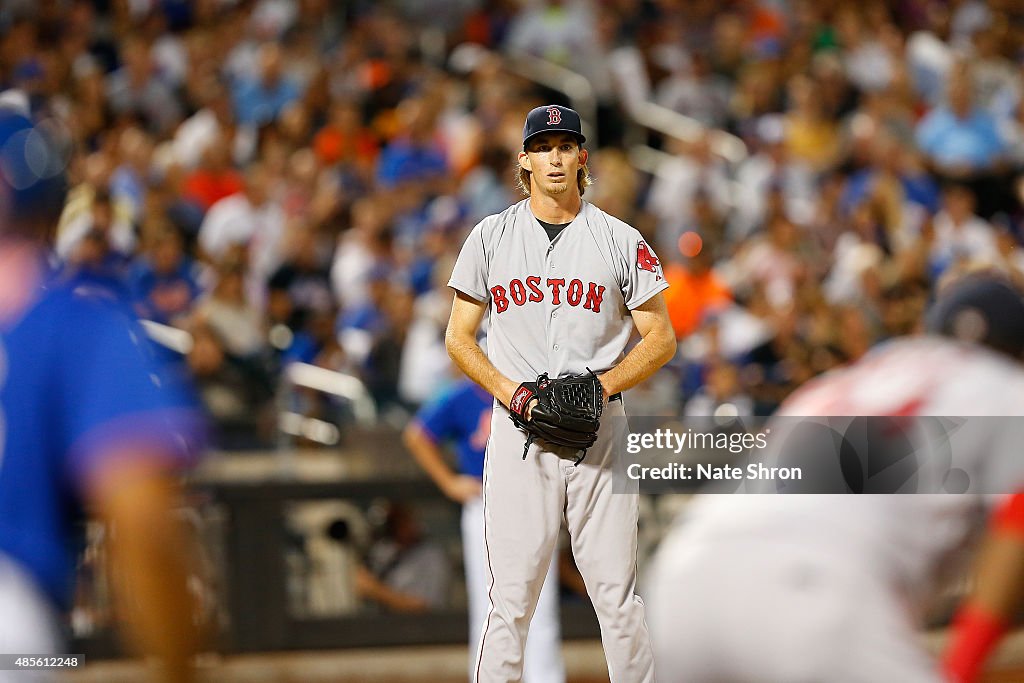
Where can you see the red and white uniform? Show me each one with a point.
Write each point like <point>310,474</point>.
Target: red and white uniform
<point>794,588</point>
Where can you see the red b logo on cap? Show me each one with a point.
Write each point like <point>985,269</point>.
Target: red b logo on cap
<point>554,116</point>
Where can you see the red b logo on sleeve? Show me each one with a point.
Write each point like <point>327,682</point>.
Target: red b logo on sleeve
<point>645,258</point>
<point>554,116</point>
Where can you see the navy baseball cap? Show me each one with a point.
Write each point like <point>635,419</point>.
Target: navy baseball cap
<point>32,180</point>
<point>982,308</point>
<point>552,118</point>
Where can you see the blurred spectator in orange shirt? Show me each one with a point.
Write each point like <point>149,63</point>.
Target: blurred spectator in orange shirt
<point>694,290</point>
<point>344,138</point>
<point>215,178</point>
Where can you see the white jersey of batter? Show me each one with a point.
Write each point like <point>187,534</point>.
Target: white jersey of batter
<point>558,306</point>
<point>833,587</point>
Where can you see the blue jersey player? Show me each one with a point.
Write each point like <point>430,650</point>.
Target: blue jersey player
<point>461,416</point>
<point>89,423</point>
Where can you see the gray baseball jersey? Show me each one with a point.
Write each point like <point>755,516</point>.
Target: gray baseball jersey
<point>558,306</point>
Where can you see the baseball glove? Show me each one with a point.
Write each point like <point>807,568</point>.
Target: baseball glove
<point>567,413</point>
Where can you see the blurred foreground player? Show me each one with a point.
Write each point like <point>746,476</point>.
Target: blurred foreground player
<point>995,600</point>
<point>88,421</point>
<point>462,414</point>
<point>792,588</point>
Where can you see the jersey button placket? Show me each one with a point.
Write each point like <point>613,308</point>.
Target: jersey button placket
<point>553,317</point>
<point>554,329</point>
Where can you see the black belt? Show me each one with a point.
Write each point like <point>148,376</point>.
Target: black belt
<point>615,397</point>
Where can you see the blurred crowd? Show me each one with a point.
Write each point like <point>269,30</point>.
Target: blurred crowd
<point>291,180</point>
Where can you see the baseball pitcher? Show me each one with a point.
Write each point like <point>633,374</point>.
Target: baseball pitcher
<point>563,285</point>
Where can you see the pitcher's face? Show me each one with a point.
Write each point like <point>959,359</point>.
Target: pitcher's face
<point>553,160</point>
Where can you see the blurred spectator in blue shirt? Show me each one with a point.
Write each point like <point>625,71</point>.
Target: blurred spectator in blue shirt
<point>128,181</point>
<point>136,90</point>
<point>261,100</point>
<point>94,263</point>
<point>960,138</point>
<point>415,155</point>
<point>301,287</point>
<point>357,328</point>
<point>163,283</point>
<point>889,159</point>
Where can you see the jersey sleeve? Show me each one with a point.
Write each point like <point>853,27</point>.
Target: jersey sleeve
<point>470,273</point>
<point>437,418</point>
<point>642,275</point>
<point>120,400</point>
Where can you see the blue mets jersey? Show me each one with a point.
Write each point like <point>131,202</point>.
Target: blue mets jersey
<point>462,415</point>
<point>79,385</point>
